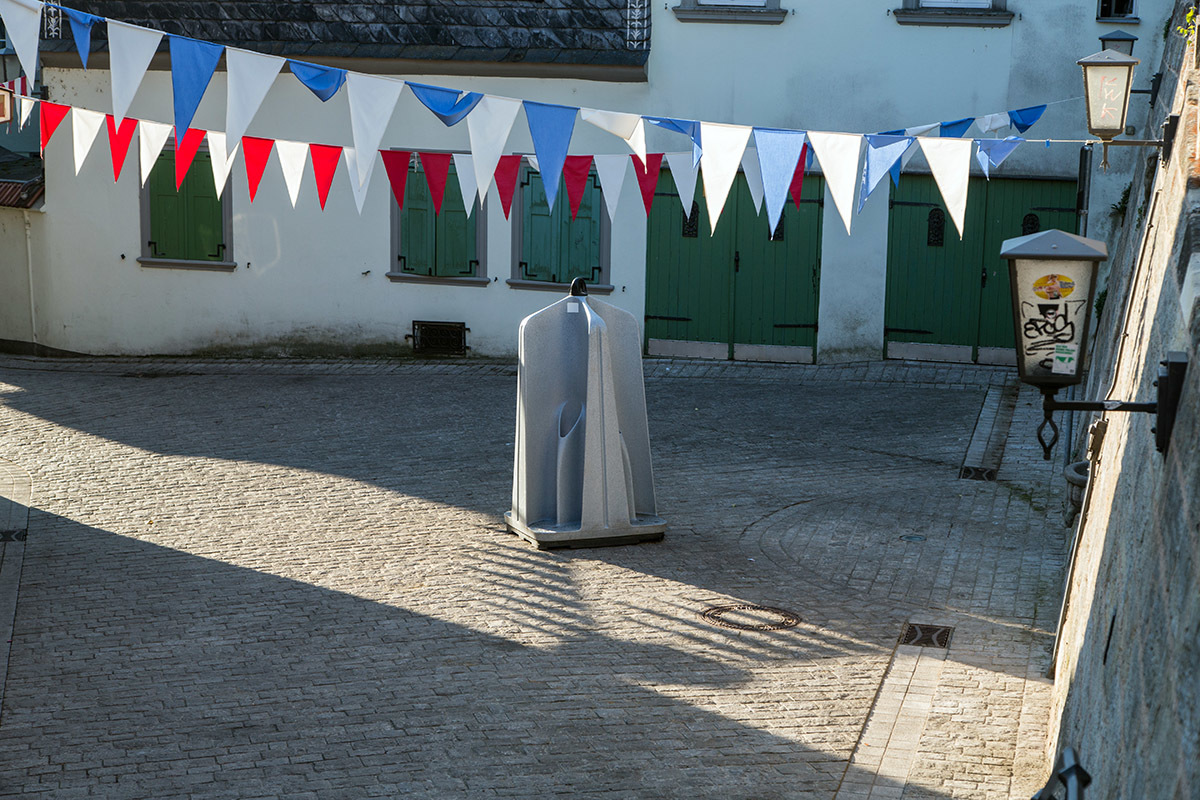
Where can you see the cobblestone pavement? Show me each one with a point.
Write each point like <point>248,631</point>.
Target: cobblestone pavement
<point>291,580</point>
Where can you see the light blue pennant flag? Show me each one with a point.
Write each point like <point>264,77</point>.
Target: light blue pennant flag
<point>778,153</point>
<point>992,152</point>
<point>324,82</point>
<point>551,127</point>
<point>446,103</point>
<point>1023,118</point>
<point>81,29</point>
<point>687,127</point>
<point>883,153</point>
<point>895,168</point>
<point>192,65</point>
<point>956,128</point>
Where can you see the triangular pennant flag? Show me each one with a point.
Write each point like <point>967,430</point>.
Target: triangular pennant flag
<point>464,170</point>
<point>797,188</point>
<point>152,136</point>
<point>992,152</point>
<point>84,127</point>
<point>916,130</point>
<point>446,104</point>
<point>256,152</point>
<point>321,80</point>
<point>629,127</point>
<point>723,148</point>
<point>81,30</point>
<point>1023,118</point>
<point>51,117</point>
<point>359,191</point>
<point>23,26</point>
<point>185,152</point>
<point>754,181</point>
<point>950,162</point>
<point>249,77</point>
<point>687,127</point>
<point>437,170</point>
<point>683,172</point>
<point>130,49</point>
<point>489,125</point>
<point>292,158</point>
<point>883,153</point>
<point>778,156</point>
<point>991,122</point>
<point>647,177</point>
<point>551,127</point>
<point>372,101</point>
<point>839,154</point>
<point>611,169</point>
<point>118,141</point>
<point>575,172</point>
<point>396,163</point>
<point>192,65</point>
<point>221,158</point>
<point>508,169</point>
<point>325,158</point>
<point>956,128</point>
<point>26,106</point>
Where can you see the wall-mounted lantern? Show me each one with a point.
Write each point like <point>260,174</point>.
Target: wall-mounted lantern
<point>1052,277</point>
<point>1120,41</point>
<point>1108,82</point>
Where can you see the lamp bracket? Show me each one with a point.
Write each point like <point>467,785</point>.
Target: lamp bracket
<point>1164,144</point>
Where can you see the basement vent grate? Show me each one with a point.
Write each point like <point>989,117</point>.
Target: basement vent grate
<point>927,635</point>
<point>747,617</point>
<point>439,338</point>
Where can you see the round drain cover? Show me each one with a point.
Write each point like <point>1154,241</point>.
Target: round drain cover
<point>748,617</point>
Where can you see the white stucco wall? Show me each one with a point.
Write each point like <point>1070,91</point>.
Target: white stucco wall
<point>826,67</point>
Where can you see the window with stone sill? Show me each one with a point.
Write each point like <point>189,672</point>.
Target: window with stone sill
<point>188,227</point>
<point>760,12</point>
<point>970,13</point>
<point>1117,10</point>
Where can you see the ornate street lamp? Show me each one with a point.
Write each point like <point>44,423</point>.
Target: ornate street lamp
<point>1052,278</point>
<point>1108,81</point>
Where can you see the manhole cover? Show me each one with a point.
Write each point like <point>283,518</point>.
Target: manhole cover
<point>748,617</point>
<point>926,635</point>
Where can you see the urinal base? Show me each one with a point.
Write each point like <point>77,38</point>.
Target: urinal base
<point>644,529</point>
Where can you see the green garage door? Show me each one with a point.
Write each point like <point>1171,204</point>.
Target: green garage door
<point>739,293</point>
<point>948,300</point>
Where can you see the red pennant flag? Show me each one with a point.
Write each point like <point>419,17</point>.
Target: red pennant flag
<point>576,170</point>
<point>118,141</point>
<point>798,175</point>
<point>325,159</point>
<point>647,176</point>
<point>256,151</point>
<point>52,114</point>
<point>185,152</point>
<point>437,170</point>
<point>396,162</point>
<point>507,171</point>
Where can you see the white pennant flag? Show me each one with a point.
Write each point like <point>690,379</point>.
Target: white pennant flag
<point>152,136</point>
<point>683,172</point>
<point>950,162</point>
<point>489,124</point>
<point>26,106</point>
<point>630,127</point>
<point>130,49</point>
<point>723,148</point>
<point>839,154</point>
<point>222,159</point>
<point>372,101</point>
<point>464,169</point>
<point>753,171</point>
<point>23,24</point>
<point>992,122</point>
<point>84,127</point>
<point>916,130</point>
<point>612,170</point>
<point>292,158</point>
<point>359,190</point>
<point>249,78</point>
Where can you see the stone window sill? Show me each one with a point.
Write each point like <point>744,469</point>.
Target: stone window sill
<point>176,263</point>
<point>731,14</point>
<point>561,288</point>
<point>937,16</point>
<point>408,277</point>
<point>1120,20</point>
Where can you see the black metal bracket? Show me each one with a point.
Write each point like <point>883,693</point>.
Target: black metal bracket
<point>1165,144</point>
<point>1069,774</point>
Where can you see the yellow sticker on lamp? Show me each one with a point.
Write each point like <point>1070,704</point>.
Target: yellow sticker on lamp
<point>1053,287</point>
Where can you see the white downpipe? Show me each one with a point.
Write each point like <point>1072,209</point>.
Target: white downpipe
<point>29,265</point>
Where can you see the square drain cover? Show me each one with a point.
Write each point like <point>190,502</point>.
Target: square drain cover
<point>926,635</point>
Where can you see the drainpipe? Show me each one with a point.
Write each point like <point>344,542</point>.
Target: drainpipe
<point>29,265</point>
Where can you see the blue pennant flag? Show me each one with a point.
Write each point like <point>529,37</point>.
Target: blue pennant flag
<point>895,170</point>
<point>883,153</point>
<point>778,154</point>
<point>956,128</point>
<point>687,127</point>
<point>1023,118</point>
<point>446,103</point>
<point>324,82</point>
<point>81,29</point>
<point>992,152</point>
<point>551,127</point>
<point>192,66</point>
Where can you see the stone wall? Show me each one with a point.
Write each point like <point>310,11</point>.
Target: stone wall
<point>1127,671</point>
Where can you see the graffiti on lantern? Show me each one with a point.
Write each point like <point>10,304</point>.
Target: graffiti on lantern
<point>1049,328</point>
<point>1110,91</point>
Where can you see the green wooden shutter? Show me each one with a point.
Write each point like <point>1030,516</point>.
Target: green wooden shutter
<point>579,251</point>
<point>188,224</point>
<point>553,247</point>
<point>455,234</point>
<point>436,244</point>
<point>167,235</point>
<point>539,235</point>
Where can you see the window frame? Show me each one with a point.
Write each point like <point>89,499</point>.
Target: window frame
<point>754,12</point>
<point>1131,18</point>
<point>148,258</point>
<point>913,12</point>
